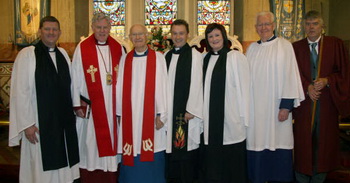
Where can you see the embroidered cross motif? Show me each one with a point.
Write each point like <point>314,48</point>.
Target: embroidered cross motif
<point>92,71</point>
<point>147,145</point>
<point>181,119</point>
<point>127,149</point>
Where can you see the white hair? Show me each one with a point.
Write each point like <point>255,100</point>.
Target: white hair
<point>264,13</point>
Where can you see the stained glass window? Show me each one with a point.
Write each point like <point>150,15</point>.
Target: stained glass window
<point>160,13</point>
<point>116,10</point>
<point>213,12</point>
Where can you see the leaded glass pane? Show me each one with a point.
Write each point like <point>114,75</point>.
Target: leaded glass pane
<point>213,12</point>
<point>161,13</point>
<point>116,11</point>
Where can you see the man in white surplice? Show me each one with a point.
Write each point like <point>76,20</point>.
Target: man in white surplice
<point>276,89</point>
<point>41,111</point>
<point>141,105</point>
<point>94,75</point>
<point>185,98</point>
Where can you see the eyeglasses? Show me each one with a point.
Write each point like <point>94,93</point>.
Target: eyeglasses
<point>264,24</point>
<point>137,34</point>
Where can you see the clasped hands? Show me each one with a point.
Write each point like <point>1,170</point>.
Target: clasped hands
<point>314,90</point>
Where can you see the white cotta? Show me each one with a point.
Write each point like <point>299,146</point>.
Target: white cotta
<point>275,76</point>
<point>237,88</point>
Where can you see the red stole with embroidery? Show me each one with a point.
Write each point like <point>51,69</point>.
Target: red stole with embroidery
<point>94,87</point>
<point>147,144</point>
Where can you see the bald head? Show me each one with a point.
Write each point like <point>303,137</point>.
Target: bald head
<point>138,35</point>
<point>138,27</point>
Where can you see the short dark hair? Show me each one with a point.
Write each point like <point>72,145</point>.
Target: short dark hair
<point>221,28</point>
<point>180,22</point>
<point>49,19</point>
<point>313,14</point>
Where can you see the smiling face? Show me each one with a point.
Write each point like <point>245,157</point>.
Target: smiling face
<point>216,40</point>
<point>179,35</point>
<point>313,28</point>
<point>101,29</point>
<point>138,35</point>
<point>265,27</point>
<point>49,33</point>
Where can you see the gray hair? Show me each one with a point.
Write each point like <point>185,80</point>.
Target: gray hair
<point>100,16</point>
<point>313,14</point>
<point>264,13</point>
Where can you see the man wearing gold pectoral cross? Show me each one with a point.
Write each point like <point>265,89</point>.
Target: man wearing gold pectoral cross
<point>94,73</point>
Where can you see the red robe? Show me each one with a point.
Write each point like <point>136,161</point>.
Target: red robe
<point>333,102</point>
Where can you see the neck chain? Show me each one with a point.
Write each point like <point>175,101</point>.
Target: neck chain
<point>108,72</point>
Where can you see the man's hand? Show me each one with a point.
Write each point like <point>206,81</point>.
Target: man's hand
<point>320,83</point>
<point>30,134</point>
<point>188,116</point>
<point>159,123</point>
<point>79,112</point>
<point>283,115</point>
<point>313,93</point>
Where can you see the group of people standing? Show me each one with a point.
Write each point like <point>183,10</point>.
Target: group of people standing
<point>181,116</point>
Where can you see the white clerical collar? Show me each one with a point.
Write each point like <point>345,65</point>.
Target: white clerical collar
<point>101,43</point>
<point>51,49</point>
<point>141,54</point>
<point>317,40</point>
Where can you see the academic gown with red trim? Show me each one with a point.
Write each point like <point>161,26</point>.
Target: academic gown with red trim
<point>335,66</point>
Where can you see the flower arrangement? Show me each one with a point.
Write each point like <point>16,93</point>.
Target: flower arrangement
<point>158,40</point>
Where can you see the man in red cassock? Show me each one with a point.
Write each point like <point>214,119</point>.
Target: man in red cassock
<point>324,68</point>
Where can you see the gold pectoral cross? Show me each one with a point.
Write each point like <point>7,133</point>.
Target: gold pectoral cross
<point>109,78</point>
<point>92,71</point>
<point>181,119</point>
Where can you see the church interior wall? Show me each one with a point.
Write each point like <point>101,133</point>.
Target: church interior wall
<point>7,21</point>
<point>339,19</point>
<point>75,18</point>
